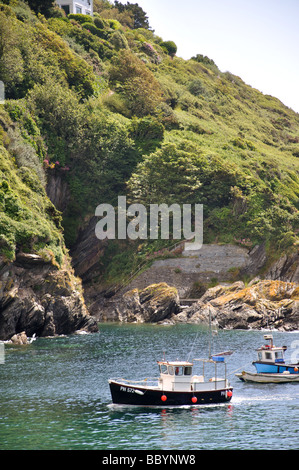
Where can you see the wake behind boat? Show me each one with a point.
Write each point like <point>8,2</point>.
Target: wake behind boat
<point>271,366</point>
<point>176,386</point>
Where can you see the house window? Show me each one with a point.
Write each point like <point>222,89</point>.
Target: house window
<point>66,8</point>
<point>78,10</point>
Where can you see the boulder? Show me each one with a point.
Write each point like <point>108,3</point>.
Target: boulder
<point>150,305</point>
<point>20,338</point>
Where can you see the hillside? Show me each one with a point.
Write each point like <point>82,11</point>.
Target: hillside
<point>101,107</point>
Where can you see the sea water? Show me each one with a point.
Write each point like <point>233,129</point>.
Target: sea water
<point>54,393</point>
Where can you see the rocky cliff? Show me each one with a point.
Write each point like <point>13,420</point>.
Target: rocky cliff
<point>39,298</point>
<point>264,304</point>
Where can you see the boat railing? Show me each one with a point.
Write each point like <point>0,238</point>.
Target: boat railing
<point>217,361</point>
<point>148,381</point>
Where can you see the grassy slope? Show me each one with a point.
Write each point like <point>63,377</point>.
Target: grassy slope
<point>69,81</point>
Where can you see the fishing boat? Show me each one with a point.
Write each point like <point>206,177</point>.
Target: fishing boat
<point>176,385</point>
<point>271,366</point>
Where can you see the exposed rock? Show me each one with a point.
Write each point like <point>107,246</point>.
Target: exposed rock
<point>152,304</point>
<point>20,338</point>
<point>261,305</point>
<point>257,259</point>
<point>88,252</point>
<point>285,269</point>
<point>38,298</point>
<point>57,190</point>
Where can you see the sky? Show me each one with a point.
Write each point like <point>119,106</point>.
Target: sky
<point>257,40</point>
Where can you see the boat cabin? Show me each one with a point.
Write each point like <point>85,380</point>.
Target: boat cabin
<point>175,375</point>
<point>271,353</point>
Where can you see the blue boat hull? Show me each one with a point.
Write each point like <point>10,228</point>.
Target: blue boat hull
<point>279,368</point>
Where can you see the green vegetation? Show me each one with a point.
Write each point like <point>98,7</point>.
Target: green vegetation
<point>28,220</point>
<point>103,104</point>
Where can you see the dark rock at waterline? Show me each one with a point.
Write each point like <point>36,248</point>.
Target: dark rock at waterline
<point>39,298</point>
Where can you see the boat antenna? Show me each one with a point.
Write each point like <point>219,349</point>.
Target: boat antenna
<point>192,347</point>
<point>210,332</point>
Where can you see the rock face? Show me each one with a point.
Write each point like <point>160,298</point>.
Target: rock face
<point>263,304</point>
<point>152,304</point>
<point>285,269</point>
<point>38,298</point>
<point>57,190</point>
<point>88,252</point>
<point>260,305</point>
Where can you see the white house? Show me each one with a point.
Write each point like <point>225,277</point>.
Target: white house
<point>76,6</point>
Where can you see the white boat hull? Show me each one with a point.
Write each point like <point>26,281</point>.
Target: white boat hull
<point>268,378</point>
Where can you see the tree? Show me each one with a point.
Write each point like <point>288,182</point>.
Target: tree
<point>139,15</point>
<point>41,6</point>
<point>170,47</point>
<point>168,175</point>
<point>136,83</point>
<point>99,5</point>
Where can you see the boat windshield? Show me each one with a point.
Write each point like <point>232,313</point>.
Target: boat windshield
<point>279,357</point>
<point>175,370</point>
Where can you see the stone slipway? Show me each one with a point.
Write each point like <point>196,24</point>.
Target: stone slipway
<point>210,263</point>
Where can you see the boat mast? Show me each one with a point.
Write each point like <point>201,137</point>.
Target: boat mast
<point>210,330</point>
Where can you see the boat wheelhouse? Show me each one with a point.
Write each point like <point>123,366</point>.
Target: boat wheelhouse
<point>271,366</point>
<point>176,386</point>
<point>271,359</point>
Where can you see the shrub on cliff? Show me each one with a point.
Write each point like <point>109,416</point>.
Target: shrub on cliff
<point>136,83</point>
<point>81,18</point>
<point>170,47</point>
<point>148,132</point>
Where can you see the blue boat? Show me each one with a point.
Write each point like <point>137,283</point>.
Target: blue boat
<point>271,359</point>
<point>271,366</point>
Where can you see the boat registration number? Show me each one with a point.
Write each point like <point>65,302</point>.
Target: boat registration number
<point>127,389</point>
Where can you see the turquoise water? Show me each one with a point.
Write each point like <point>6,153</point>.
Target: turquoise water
<point>55,395</point>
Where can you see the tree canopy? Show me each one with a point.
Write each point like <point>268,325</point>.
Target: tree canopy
<point>140,17</point>
<point>41,6</point>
